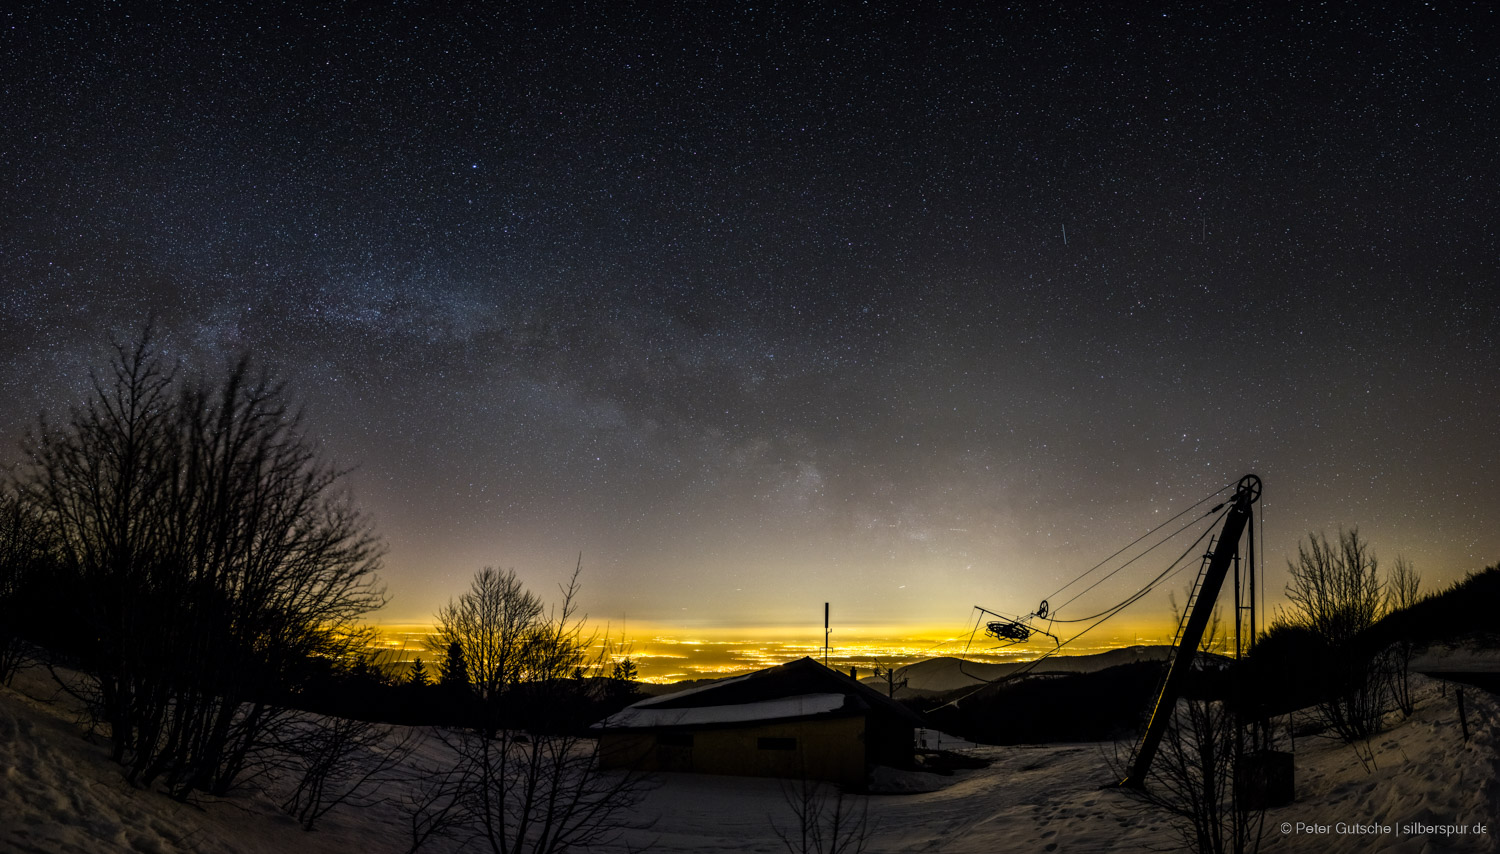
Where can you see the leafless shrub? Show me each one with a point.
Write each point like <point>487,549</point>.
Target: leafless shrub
<point>344,761</point>
<point>1193,776</point>
<point>1337,592</point>
<point>213,551</point>
<point>519,777</point>
<point>1336,588</point>
<point>825,820</point>
<point>1403,587</point>
<point>1193,780</point>
<point>1403,590</point>
<point>24,546</point>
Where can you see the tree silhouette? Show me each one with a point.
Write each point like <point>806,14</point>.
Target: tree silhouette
<point>213,551</point>
<point>418,674</point>
<point>454,671</point>
<point>1337,592</point>
<point>1403,592</point>
<point>23,549</point>
<point>494,626</point>
<point>1335,588</point>
<point>521,777</point>
<point>1199,772</point>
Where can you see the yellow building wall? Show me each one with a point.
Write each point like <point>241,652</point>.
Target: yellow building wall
<point>826,749</point>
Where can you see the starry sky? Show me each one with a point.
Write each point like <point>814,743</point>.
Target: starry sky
<point>906,307</point>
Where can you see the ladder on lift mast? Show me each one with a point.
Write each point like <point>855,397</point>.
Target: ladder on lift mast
<point>1190,632</point>
<point>1187,609</point>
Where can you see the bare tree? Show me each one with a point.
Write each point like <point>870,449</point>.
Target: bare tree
<point>215,551</point>
<point>1403,590</point>
<point>494,627</point>
<point>1193,778</point>
<point>343,761</point>
<point>1337,592</point>
<point>521,776</point>
<point>98,482</point>
<point>23,551</point>
<point>1403,587</point>
<point>824,819</point>
<point>1336,588</point>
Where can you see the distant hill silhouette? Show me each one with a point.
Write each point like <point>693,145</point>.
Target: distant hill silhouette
<point>1081,705</point>
<point>656,689</point>
<point>941,675</point>
<point>1291,667</point>
<point>1467,609</point>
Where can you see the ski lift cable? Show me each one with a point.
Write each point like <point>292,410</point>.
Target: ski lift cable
<point>1049,613</point>
<point>1159,543</point>
<point>1204,500</point>
<point>1175,567</point>
<point>1171,570</point>
<point>963,659</point>
<point>971,634</point>
<point>960,636</point>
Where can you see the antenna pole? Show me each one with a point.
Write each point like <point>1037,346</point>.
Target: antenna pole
<point>1253,566</point>
<point>826,632</point>
<point>1239,611</point>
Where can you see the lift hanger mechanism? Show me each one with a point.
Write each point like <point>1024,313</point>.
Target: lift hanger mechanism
<point>1016,629</point>
<point>1225,553</point>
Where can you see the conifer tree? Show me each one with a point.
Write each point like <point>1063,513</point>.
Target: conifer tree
<point>625,670</point>
<point>418,674</point>
<point>454,671</point>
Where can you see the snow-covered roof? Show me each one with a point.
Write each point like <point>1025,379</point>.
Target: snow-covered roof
<point>801,688</point>
<point>688,692</point>
<point>644,715</point>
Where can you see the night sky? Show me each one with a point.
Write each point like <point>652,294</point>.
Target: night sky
<point>759,306</point>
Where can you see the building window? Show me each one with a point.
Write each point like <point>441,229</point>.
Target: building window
<point>674,739</point>
<point>776,743</point>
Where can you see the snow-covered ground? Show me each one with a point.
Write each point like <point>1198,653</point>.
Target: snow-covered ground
<point>1467,658</point>
<point>59,793</point>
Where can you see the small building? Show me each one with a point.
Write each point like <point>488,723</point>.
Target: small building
<point>796,720</point>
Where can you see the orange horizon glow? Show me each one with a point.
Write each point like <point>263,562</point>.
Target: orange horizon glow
<point>665,653</point>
